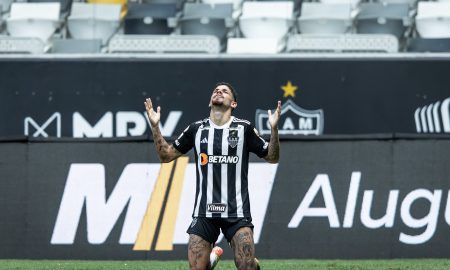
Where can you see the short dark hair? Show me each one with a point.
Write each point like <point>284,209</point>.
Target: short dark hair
<point>230,87</point>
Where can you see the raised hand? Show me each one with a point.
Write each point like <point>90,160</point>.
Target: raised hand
<point>153,116</point>
<point>273,118</point>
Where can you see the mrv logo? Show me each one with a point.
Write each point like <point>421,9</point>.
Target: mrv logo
<point>428,221</point>
<point>158,200</point>
<point>433,118</point>
<point>120,124</point>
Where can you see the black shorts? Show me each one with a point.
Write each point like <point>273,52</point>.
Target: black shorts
<point>209,228</point>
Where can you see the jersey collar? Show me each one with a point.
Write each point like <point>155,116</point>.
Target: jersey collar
<point>226,125</point>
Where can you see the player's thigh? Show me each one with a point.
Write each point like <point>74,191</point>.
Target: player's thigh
<point>198,252</point>
<point>244,248</point>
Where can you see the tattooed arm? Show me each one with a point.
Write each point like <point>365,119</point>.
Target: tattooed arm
<point>166,151</point>
<point>273,154</point>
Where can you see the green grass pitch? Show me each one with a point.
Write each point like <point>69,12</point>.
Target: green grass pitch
<point>397,264</point>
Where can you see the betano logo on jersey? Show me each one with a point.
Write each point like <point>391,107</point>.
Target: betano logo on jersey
<point>294,120</point>
<point>220,159</point>
<point>158,200</point>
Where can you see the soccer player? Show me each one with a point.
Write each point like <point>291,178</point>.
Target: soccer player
<point>222,144</point>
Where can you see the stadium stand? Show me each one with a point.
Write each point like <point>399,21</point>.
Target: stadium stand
<point>33,20</point>
<point>241,26</point>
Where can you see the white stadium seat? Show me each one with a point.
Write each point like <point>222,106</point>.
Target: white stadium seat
<point>266,19</point>
<point>353,3</point>
<point>236,3</point>
<point>94,21</point>
<point>433,19</point>
<point>318,18</point>
<point>6,5</point>
<point>33,20</point>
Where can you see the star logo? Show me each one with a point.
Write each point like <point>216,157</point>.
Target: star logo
<point>289,89</point>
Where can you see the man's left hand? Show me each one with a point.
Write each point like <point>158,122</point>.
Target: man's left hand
<point>273,118</point>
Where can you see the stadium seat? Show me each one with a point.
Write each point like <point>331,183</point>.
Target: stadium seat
<point>433,19</point>
<point>236,3</point>
<point>179,3</point>
<point>164,44</point>
<point>266,19</point>
<point>380,18</point>
<point>297,3</point>
<point>150,19</point>
<point>428,45</point>
<point>122,3</point>
<point>342,43</point>
<point>19,45</point>
<point>76,46</point>
<point>353,3</point>
<point>411,3</point>
<point>6,5</point>
<point>38,20</point>
<point>65,4</point>
<point>318,18</point>
<point>205,19</point>
<point>93,21</point>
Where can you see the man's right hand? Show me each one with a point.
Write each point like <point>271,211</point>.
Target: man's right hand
<point>151,114</point>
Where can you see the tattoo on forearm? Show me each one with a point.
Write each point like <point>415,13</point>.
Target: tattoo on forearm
<point>161,144</point>
<point>274,147</point>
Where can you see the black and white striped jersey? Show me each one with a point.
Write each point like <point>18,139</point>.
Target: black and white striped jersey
<point>221,156</point>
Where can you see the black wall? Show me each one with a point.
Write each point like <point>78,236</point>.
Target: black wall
<point>356,95</point>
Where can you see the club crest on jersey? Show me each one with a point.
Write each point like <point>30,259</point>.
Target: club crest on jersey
<point>233,138</point>
<point>205,159</point>
<point>217,207</point>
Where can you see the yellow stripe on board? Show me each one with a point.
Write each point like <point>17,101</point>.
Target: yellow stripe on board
<point>167,228</point>
<point>150,222</point>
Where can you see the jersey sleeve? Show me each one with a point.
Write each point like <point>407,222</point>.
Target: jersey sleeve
<point>256,143</point>
<point>185,141</point>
